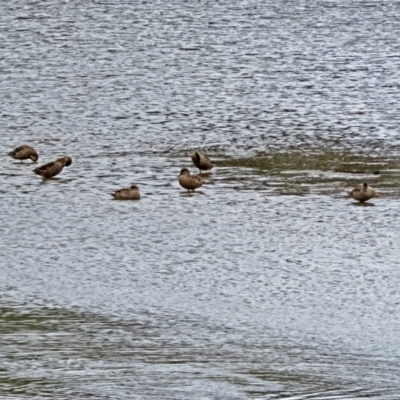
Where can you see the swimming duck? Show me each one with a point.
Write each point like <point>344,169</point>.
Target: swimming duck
<point>362,193</point>
<point>129,193</point>
<point>23,153</point>
<point>53,168</point>
<point>201,161</point>
<point>189,182</point>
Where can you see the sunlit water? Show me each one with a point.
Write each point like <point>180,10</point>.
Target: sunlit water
<point>247,289</point>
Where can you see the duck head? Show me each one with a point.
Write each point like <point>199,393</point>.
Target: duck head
<point>184,171</point>
<point>34,157</point>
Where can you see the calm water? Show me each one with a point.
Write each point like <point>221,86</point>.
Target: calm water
<point>246,290</point>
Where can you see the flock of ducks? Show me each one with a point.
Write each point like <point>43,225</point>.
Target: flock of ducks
<point>53,168</point>
<point>48,170</point>
<point>361,193</point>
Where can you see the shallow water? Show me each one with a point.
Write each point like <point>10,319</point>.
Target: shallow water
<point>266,284</point>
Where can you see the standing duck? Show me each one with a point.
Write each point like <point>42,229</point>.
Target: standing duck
<point>201,161</point>
<point>129,193</point>
<point>189,182</point>
<point>24,152</point>
<point>362,193</point>
<point>53,168</point>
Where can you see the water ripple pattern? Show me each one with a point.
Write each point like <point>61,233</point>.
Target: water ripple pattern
<point>239,291</point>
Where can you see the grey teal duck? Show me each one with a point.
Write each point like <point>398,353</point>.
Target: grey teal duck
<point>53,168</point>
<point>362,193</point>
<point>201,161</point>
<point>129,193</point>
<point>24,152</point>
<point>189,182</point>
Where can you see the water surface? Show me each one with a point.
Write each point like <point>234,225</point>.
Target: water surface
<point>267,284</point>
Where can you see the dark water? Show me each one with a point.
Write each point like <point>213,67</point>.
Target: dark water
<point>246,290</point>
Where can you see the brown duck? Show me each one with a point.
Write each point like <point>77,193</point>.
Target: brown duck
<point>53,168</point>
<point>362,193</point>
<point>201,161</point>
<point>129,193</point>
<point>189,182</point>
<point>24,152</point>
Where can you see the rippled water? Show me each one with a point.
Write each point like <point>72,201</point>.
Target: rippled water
<point>258,286</point>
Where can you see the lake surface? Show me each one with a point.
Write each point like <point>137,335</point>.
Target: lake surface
<point>260,286</point>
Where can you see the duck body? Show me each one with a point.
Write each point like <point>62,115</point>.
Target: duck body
<point>24,152</point>
<point>362,193</point>
<point>201,161</point>
<point>129,193</point>
<point>189,182</point>
<point>53,168</point>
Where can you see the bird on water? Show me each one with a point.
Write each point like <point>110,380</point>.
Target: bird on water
<point>189,182</point>
<point>24,152</point>
<point>53,168</point>
<point>201,161</point>
<point>128,193</point>
<point>362,193</point>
